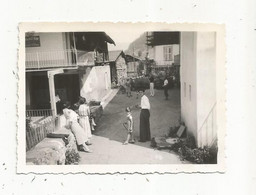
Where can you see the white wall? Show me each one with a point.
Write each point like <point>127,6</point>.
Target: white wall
<point>188,76</point>
<point>198,71</point>
<point>49,41</point>
<point>52,50</point>
<point>206,90</point>
<point>159,54</point>
<point>95,83</point>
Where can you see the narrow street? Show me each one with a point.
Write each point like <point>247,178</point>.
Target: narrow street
<point>110,134</point>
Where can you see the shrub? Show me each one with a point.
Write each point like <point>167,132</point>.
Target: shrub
<point>72,157</point>
<point>187,150</point>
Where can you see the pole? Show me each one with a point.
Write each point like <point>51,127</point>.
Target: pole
<point>74,40</point>
<point>52,94</point>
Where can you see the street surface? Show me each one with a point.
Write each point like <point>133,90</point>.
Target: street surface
<point>110,134</point>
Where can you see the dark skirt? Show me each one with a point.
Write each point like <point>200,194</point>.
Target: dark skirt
<point>144,125</point>
<point>166,92</point>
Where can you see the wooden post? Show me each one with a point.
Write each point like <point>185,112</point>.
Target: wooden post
<point>74,39</point>
<point>52,94</point>
<point>51,74</point>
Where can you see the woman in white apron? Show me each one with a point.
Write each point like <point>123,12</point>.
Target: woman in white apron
<point>84,114</point>
<point>72,123</point>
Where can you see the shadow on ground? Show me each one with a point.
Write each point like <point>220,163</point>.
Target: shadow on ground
<point>110,134</point>
<point>164,114</point>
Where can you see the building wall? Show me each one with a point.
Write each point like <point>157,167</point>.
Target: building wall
<point>53,50</point>
<point>159,54</point>
<point>132,68</point>
<point>206,90</point>
<point>188,78</point>
<point>121,69</point>
<point>49,41</point>
<point>151,52</point>
<point>198,73</point>
<point>95,83</point>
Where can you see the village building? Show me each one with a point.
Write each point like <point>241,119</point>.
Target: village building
<point>164,49</point>
<point>133,66</point>
<point>198,85</point>
<point>118,66</point>
<point>65,66</point>
<point>191,58</point>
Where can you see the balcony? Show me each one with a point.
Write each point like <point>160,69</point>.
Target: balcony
<point>59,59</point>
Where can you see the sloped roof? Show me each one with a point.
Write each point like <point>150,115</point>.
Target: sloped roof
<point>131,58</point>
<point>113,55</point>
<point>89,41</point>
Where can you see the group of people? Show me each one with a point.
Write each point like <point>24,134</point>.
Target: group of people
<point>145,134</point>
<point>79,123</point>
<point>165,86</point>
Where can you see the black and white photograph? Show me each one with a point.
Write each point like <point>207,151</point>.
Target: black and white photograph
<point>128,97</point>
<point>122,97</point>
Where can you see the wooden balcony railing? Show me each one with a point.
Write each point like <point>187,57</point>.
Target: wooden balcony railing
<point>39,112</point>
<point>60,58</point>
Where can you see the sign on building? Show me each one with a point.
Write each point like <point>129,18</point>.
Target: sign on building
<point>32,41</point>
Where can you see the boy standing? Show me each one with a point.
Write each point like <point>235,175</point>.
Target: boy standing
<point>129,123</point>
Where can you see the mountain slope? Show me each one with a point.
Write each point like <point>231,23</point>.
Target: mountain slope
<point>138,47</point>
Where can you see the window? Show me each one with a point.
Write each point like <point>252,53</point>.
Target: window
<point>190,92</point>
<point>185,89</point>
<point>168,53</point>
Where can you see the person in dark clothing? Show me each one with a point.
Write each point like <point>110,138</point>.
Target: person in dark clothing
<point>144,118</point>
<point>165,86</point>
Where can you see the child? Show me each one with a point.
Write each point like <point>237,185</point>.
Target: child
<point>129,123</point>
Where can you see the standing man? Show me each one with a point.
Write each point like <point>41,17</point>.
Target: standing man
<point>144,117</point>
<point>166,88</point>
<point>151,80</point>
<point>128,88</point>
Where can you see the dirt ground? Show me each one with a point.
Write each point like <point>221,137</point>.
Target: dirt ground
<point>110,134</point>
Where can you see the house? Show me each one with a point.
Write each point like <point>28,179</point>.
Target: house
<point>192,56</point>
<point>198,85</point>
<point>133,65</point>
<point>65,65</point>
<point>118,67</point>
<point>164,50</point>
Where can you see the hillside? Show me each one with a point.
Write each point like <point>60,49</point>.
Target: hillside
<point>138,46</point>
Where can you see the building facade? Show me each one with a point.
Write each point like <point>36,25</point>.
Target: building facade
<point>65,65</point>
<point>118,66</point>
<point>165,55</point>
<point>133,63</point>
<point>198,85</point>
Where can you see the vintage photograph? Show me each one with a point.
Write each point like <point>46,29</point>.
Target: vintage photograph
<point>121,97</point>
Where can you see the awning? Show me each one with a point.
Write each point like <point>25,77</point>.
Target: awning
<point>88,41</point>
<point>108,39</point>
